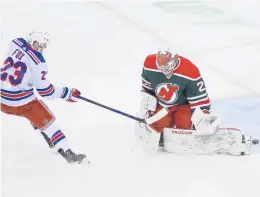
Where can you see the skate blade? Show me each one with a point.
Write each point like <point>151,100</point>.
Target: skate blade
<point>83,159</point>
<point>253,141</point>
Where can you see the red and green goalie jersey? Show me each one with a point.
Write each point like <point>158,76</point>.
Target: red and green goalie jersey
<point>185,86</point>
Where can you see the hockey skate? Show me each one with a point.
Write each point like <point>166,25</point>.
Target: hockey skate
<point>71,157</point>
<point>48,140</point>
<point>248,142</point>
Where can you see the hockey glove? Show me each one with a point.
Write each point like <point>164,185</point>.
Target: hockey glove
<point>204,123</point>
<point>70,94</point>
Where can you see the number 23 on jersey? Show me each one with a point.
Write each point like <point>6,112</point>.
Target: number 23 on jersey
<point>13,71</point>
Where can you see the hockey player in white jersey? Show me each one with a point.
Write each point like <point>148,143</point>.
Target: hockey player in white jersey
<point>24,70</point>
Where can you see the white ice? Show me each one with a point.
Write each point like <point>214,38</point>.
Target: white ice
<point>99,48</point>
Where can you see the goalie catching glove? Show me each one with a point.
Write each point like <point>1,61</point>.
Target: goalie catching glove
<point>148,105</point>
<point>146,136</point>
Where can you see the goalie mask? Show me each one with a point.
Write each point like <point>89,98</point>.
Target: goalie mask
<point>166,62</point>
<point>42,38</point>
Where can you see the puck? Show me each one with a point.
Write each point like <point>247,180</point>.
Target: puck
<point>255,141</point>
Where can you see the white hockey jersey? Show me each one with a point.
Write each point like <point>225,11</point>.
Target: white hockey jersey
<point>24,70</point>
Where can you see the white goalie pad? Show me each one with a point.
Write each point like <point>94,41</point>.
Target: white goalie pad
<point>224,140</point>
<point>179,141</point>
<point>147,137</point>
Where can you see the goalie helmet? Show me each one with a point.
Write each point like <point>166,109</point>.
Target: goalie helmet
<point>43,38</point>
<point>166,62</point>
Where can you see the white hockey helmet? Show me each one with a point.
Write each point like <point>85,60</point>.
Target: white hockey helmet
<point>42,37</point>
<point>166,62</point>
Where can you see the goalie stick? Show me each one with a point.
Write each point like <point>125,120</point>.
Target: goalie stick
<point>163,112</point>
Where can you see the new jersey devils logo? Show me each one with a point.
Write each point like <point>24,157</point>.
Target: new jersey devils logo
<point>167,92</point>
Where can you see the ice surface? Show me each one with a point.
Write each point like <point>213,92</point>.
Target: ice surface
<point>99,47</point>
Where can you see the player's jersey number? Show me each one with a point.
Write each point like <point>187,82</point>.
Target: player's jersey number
<point>16,77</point>
<point>201,86</point>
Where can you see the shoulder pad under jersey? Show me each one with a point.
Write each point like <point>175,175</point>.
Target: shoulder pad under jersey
<point>187,69</point>
<point>150,63</point>
<point>36,56</point>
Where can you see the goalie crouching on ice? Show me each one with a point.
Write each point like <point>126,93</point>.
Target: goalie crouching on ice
<point>173,82</point>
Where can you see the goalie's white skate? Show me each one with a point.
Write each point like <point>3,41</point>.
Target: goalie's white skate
<point>249,141</point>
<point>239,143</point>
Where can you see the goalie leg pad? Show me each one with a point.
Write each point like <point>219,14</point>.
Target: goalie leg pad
<point>228,141</point>
<point>179,141</point>
<point>238,143</point>
<point>147,137</point>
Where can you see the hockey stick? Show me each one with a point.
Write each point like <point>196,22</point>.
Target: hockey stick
<point>163,112</point>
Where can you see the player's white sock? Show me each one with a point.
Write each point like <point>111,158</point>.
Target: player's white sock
<point>57,137</point>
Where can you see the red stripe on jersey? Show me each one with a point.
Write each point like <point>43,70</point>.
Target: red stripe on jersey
<point>46,91</point>
<point>200,103</point>
<point>19,95</point>
<point>18,42</point>
<point>57,136</point>
<point>146,84</point>
<point>34,56</point>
